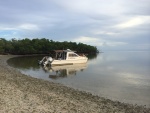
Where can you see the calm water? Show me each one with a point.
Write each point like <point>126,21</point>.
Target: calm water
<point>123,76</point>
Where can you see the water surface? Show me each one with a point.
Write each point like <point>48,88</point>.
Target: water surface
<point>122,76</point>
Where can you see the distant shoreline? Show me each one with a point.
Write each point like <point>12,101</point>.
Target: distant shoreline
<point>21,93</point>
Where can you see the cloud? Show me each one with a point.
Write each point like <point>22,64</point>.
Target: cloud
<point>135,21</point>
<point>23,26</point>
<point>86,39</point>
<point>113,43</point>
<point>7,28</point>
<point>90,40</point>
<point>99,41</point>
<point>90,7</point>
<point>115,23</point>
<point>100,32</point>
<point>29,27</point>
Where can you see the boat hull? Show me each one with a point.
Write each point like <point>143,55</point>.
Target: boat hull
<point>68,62</point>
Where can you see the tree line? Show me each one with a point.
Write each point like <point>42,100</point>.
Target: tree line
<point>41,46</point>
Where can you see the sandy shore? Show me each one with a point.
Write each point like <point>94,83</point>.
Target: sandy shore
<point>23,94</point>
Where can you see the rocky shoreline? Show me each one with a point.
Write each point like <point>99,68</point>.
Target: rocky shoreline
<point>21,93</point>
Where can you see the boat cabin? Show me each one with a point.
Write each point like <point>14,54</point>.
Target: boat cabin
<point>64,54</point>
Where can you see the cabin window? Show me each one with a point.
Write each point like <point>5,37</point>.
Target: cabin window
<point>73,55</point>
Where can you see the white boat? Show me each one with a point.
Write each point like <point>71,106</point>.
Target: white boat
<point>64,57</point>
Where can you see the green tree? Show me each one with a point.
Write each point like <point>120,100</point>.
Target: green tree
<point>41,46</point>
<point>2,45</point>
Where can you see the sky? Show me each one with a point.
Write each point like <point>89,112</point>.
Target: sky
<point>106,24</point>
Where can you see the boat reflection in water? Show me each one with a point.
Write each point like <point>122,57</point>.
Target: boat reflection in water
<point>64,70</point>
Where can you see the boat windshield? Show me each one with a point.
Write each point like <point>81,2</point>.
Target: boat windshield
<point>73,55</point>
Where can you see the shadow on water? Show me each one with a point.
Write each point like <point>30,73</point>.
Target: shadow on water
<point>25,62</point>
<point>92,56</point>
<point>65,70</point>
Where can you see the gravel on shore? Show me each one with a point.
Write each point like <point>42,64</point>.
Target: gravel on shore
<point>23,94</point>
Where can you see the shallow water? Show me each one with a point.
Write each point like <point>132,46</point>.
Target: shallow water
<point>122,76</point>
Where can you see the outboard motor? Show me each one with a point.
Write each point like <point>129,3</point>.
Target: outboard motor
<point>42,61</point>
<point>48,61</point>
